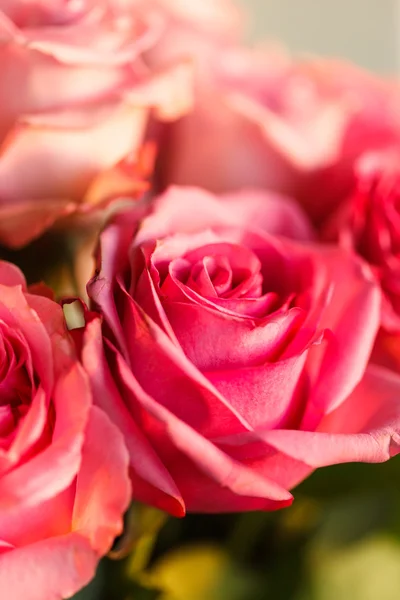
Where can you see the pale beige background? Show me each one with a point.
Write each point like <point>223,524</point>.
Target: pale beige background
<point>365,31</point>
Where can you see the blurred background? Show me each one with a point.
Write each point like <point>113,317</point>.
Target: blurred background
<point>341,538</point>
<point>364,31</point>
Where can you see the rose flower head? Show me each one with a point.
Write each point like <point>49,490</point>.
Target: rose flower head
<point>232,357</point>
<point>63,465</point>
<point>263,118</point>
<point>76,96</point>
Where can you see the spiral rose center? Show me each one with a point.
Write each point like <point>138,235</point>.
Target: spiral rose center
<point>15,388</point>
<point>222,271</point>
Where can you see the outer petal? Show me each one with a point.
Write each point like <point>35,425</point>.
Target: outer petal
<point>352,317</point>
<point>102,488</point>
<point>72,148</point>
<point>365,428</point>
<point>51,569</point>
<point>151,481</point>
<point>25,525</point>
<point>57,567</point>
<point>188,209</point>
<point>272,212</point>
<point>115,242</point>
<point>209,479</point>
<point>32,82</point>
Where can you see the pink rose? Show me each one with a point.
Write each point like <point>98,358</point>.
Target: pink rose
<point>233,359</point>
<point>262,119</point>
<point>75,101</point>
<point>368,222</point>
<point>63,465</point>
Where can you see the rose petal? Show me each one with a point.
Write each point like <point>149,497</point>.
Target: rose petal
<point>188,209</point>
<point>243,485</point>
<point>352,316</point>
<point>150,473</point>
<point>53,569</point>
<point>365,428</point>
<point>102,489</point>
<point>53,469</point>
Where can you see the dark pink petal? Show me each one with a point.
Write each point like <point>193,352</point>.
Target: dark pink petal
<point>162,368</point>
<point>213,339</point>
<point>265,395</point>
<point>149,469</point>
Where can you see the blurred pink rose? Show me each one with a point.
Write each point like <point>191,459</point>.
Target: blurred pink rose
<point>233,359</point>
<point>75,100</point>
<point>263,119</point>
<point>62,490</point>
<point>368,223</point>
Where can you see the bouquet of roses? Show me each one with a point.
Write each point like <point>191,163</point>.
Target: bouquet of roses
<point>221,229</point>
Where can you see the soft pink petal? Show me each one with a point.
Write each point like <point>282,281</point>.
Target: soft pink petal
<point>52,470</point>
<point>189,209</point>
<point>72,156</point>
<point>24,525</point>
<point>103,490</point>
<point>28,77</point>
<point>51,569</point>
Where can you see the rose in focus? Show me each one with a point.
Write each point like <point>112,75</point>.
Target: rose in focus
<point>75,101</point>
<point>231,357</point>
<point>62,490</point>
<point>263,119</point>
